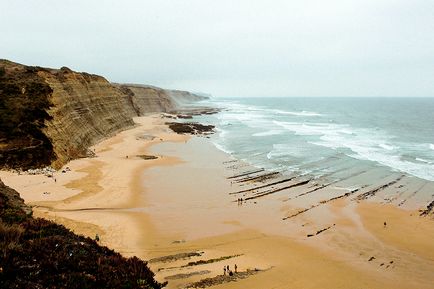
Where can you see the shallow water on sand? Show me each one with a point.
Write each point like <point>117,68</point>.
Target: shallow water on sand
<point>359,141</point>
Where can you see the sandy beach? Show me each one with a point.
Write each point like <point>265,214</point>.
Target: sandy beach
<point>176,210</point>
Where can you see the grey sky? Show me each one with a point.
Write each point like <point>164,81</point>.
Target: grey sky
<point>233,48</point>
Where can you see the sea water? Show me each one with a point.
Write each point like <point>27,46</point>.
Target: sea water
<point>329,135</point>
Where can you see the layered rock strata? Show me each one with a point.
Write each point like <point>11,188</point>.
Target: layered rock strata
<point>50,116</point>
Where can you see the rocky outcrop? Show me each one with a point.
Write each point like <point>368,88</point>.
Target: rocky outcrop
<point>49,116</point>
<point>191,128</point>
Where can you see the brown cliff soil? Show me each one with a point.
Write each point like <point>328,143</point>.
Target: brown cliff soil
<point>24,101</point>
<point>36,253</point>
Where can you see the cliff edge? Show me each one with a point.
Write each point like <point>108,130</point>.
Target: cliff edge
<point>50,116</point>
<point>37,253</point>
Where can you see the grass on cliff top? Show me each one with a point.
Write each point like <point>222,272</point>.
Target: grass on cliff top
<point>36,253</point>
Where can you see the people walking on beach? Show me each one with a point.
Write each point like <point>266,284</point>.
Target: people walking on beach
<point>240,201</point>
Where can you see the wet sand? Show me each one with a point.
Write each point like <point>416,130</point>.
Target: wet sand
<point>180,203</point>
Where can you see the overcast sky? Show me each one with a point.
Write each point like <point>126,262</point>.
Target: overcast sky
<point>233,48</point>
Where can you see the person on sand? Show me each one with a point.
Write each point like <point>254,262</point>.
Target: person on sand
<point>385,224</point>
<point>224,270</point>
<point>235,268</point>
<point>97,237</point>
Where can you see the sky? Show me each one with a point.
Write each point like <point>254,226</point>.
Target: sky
<point>244,48</point>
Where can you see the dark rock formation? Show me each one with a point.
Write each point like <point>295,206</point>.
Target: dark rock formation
<point>429,209</point>
<point>190,128</point>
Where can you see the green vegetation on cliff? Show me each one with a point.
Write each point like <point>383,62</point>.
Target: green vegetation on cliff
<point>36,253</point>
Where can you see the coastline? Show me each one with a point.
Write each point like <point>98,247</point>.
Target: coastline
<point>96,193</point>
<point>141,207</point>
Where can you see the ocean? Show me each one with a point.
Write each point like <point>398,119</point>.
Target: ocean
<point>358,141</point>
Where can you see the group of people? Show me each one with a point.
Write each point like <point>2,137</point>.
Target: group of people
<point>227,270</point>
<point>240,201</point>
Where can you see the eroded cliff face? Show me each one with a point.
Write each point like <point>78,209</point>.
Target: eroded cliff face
<point>24,102</point>
<point>145,99</point>
<point>85,108</point>
<point>49,116</point>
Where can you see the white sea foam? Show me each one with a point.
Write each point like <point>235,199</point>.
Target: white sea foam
<point>424,161</point>
<point>424,171</point>
<point>372,147</point>
<point>245,108</point>
<point>387,157</point>
<point>364,144</point>
<point>220,142</point>
<point>325,144</point>
<point>387,146</point>
<point>315,128</point>
<point>280,151</point>
<point>222,148</point>
<point>268,133</point>
<point>369,144</point>
<point>298,113</point>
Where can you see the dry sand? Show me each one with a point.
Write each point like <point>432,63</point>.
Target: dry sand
<point>179,203</point>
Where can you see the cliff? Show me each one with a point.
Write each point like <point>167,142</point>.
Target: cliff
<point>37,253</point>
<point>49,116</point>
<point>146,98</point>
